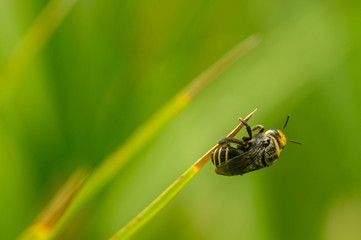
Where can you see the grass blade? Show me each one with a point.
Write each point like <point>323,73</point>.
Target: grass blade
<point>51,214</point>
<point>112,165</point>
<point>33,41</point>
<point>144,133</point>
<point>163,199</point>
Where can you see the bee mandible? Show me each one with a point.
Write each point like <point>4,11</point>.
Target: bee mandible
<point>254,152</point>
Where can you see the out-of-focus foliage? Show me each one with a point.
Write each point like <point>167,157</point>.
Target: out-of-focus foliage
<point>111,64</point>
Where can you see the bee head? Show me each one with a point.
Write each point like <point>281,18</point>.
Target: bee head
<point>279,136</point>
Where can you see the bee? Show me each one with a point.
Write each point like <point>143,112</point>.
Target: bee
<point>254,152</point>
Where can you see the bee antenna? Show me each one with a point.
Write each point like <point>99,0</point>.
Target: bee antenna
<point>294,141</point>
<point>288,117</point>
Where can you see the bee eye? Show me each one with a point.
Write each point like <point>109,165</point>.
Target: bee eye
<point>275,133</point>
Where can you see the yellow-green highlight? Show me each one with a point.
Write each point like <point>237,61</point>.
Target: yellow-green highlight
<point>41,229</point>
<point>164,198</point>
<point>221,65</point>
<point>36,232</point>
<point>111,165</point>
<point>105,172</point>
<point>156,205</point>
<point>32,42</point>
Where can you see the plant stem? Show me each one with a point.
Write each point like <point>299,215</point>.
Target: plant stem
<point>163,199</point>
<point>111,166</point>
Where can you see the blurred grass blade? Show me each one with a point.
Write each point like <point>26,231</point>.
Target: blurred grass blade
<point>56,208</point>
<point>144,133</point>
<point>111,165</point>
<point>32,42</point>
<point>170,192</point>
<point>221,65</point>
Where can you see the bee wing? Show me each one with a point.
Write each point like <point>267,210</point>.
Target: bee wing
<point>243,163</point>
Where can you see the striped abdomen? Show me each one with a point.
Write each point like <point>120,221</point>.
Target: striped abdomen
<point>223,154</point>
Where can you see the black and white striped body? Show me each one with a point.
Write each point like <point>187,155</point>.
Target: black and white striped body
<point>254,152</point>
<point>223,154</point>
<point>260,152</point>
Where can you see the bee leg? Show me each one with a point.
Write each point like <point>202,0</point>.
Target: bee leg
<point>243,146</point>
<point>260,127</point>
<point>249,130</point>
<point>229,140</point>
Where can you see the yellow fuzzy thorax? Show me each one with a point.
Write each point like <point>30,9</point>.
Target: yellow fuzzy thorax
<point>282,140</point>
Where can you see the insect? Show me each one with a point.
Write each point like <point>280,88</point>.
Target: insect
<point>254,152</point>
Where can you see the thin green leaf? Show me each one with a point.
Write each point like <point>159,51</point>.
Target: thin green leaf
<point>32,42</point>
<point>112,165</point>
<point>163,199</point>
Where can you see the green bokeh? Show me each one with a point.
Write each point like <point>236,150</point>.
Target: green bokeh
<point>111,64</point>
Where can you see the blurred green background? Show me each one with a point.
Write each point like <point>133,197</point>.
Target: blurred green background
<point>111,64</point>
